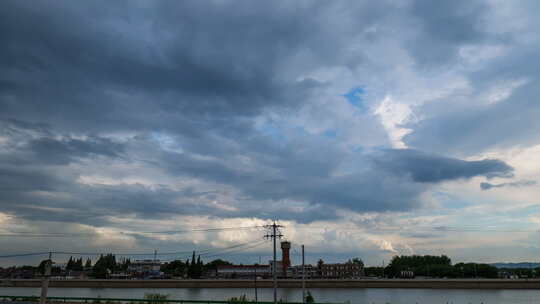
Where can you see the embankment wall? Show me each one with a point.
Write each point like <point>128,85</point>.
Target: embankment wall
<point>367,283</point>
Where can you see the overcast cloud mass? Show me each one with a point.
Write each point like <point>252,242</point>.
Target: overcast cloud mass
<point>362,126</point>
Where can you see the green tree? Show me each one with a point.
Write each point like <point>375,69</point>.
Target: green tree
<point>69,265</point>
<point>104,265</point>
<point>41,267</point>
<point>419,265</point>
<point>374,271</point>
<point>124,264</point>
<point>195,269</point>
<point>175,268</point>
<point>320,263</point>
<point>78,265</point>
<point>213,265</point>
<point>358,261</point>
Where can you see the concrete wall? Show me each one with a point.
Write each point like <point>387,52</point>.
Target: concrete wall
<point>439,284</point>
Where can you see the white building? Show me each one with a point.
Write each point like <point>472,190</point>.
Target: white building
<point>145,266</point>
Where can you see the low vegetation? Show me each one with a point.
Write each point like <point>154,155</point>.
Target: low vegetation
<point>154,298</point>
<point>239,300</point>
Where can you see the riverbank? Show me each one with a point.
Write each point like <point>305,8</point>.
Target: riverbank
<point>367,283</point>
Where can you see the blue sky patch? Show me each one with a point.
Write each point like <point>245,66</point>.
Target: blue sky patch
<point>330,133</point>
<point>354,97</point>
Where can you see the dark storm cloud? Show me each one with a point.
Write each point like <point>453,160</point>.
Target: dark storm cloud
<point>36,144</point>
<point>64,150</point>
<point>41,195</point>
<point>99,65</point>
<point>431,168</point>
<point>445,26</point>
<point>391,180</point>
<point>524,183</point>
<point>72,74</point>
<point>286,182</point>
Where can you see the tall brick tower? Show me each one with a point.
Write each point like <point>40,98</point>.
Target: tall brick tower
<point>285,259</point>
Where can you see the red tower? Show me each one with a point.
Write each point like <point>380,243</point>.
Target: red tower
<point>285,259</point>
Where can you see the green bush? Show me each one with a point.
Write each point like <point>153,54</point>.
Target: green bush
<point>240,300</point>
<point>309,298</point>
<point>26,299</point>
<point>154,298</point>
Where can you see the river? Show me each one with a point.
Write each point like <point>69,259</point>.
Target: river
<point>360,296</point>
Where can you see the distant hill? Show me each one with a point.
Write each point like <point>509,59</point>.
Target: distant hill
<point>516,265</point>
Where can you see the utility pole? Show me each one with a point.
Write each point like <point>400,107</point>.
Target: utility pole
<point>303,276</point>
<point>275,234</point>
<point>256,298</point>
<point>45,282</point>
<point>153,272</point>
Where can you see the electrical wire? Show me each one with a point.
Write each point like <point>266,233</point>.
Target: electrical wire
<point>200,230</point>
<point>203,252</point>
<point>257,244</point>
<point>62,234</point>
<point>23,254</point>
<point>421,229</point>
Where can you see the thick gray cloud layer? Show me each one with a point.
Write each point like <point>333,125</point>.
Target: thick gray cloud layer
<point>487,186</point>
<point>39,179</point>
<point>425,168</point>
<point>180,88</point>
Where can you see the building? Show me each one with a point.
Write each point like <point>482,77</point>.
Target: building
<point>342,271</point>
<point>119,276</point>
<point>311,271</point>
<point>145,268</point>
<point>243,271</point>
<point>285,258</point>
<point>406,274</point>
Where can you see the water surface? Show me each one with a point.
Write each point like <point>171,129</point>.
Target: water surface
<point>363,296</point>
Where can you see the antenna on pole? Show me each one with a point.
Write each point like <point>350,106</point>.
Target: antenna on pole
<point>275,233</point>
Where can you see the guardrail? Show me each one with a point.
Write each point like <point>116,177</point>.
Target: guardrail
<point>121,300</point>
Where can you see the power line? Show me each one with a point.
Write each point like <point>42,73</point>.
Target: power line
<point>23,254</point>
<point>203,252</point>
<point>125,253</point>
<point>421,229</point>
<point>40,235</point>
<point>199,230</point>
<point>24,234</point>
<point>62,234</point>
<point>236,250</point>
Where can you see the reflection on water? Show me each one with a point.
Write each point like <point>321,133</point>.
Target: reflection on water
<point>363,296</point>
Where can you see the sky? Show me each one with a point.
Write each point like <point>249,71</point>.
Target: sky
<point>366,128</point>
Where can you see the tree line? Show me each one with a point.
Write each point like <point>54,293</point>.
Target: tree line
<point>108,264</point>
<point>191,269</point>
<point>432,266</point>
